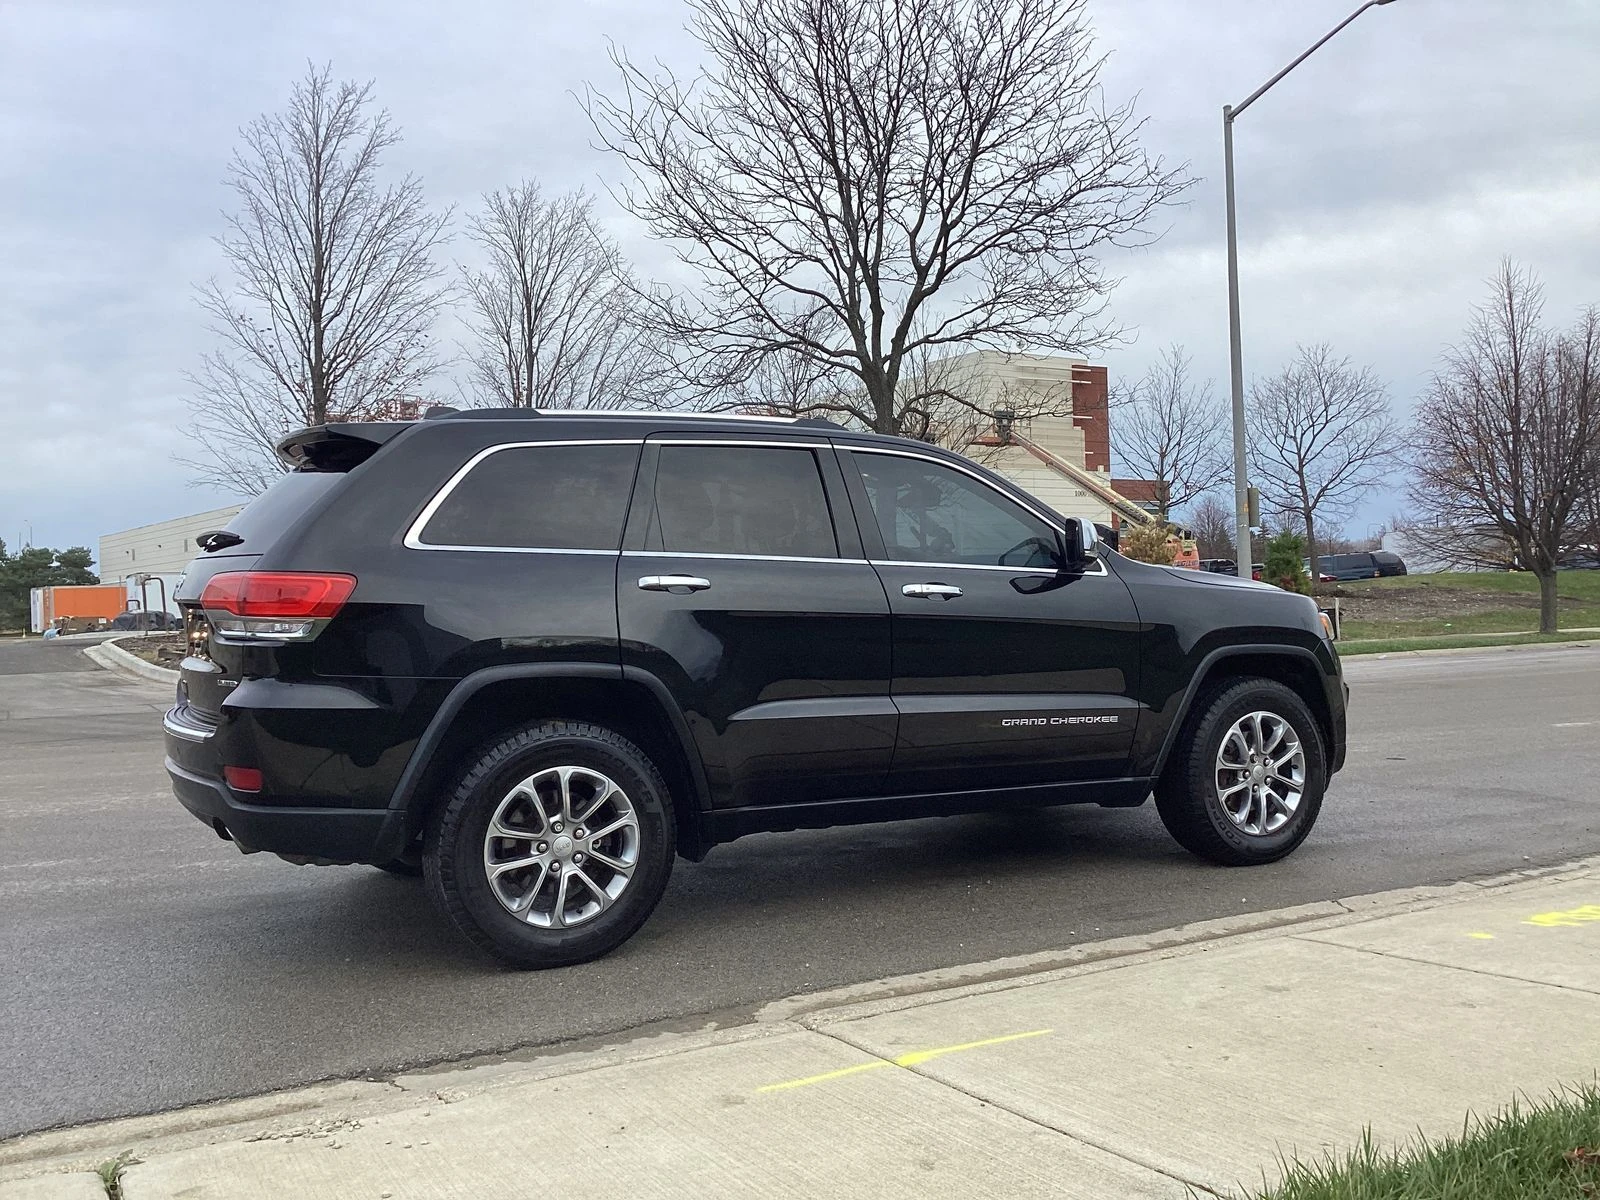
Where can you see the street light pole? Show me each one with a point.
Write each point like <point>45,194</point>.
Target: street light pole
<point>1241,470</point>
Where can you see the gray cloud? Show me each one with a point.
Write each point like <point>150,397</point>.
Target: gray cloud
<point>1379,184</point>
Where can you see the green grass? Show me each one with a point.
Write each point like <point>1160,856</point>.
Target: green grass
<point>1544,1150</point>
<point>111,1170</point>
<point>1348,647</point>
<point>1579,593</point>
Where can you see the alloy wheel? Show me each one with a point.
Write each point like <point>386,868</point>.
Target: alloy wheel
<point>1260,773</point>
<point>561,847</point>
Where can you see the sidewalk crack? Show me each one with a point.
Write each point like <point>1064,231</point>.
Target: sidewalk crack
<point>1429,962</point>
<point>1194,1186</point>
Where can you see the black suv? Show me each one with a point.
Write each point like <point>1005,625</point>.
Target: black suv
<point>536,656</point>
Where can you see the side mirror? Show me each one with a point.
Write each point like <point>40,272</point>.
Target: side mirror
<point>1082,542</point>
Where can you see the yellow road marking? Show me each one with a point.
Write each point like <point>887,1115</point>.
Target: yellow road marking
<point>914,1058</point>
<point>1482,937</point>
<point>1584,915</point>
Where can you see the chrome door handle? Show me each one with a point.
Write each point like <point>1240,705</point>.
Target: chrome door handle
<point>931,591</point>
<point>674,583</point>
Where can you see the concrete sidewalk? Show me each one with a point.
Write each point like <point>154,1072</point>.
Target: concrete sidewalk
<point>1146,1067</point>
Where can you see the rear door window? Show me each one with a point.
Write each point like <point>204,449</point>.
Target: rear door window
<point>551,497</point>
<point>765,501</point>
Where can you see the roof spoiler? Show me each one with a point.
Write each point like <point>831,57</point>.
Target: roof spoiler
<point>337,447</point>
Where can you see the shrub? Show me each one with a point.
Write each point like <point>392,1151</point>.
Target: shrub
<point>1146,543</point>
<point>1285,563</point>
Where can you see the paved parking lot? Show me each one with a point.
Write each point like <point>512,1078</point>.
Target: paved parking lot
<point>149,965</point>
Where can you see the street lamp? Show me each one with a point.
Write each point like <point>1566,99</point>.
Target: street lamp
<point>1241,479</point>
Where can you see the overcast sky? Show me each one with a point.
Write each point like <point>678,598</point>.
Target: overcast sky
<point>1378,185</point>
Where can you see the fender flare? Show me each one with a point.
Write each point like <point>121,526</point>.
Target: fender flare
<point>397,826</point>
<point>1201,672</point>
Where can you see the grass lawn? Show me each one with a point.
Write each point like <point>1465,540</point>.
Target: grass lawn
<point>1455,603</point>
<point>1546,1150</point>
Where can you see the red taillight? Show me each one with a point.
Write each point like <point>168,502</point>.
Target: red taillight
<point>242,779</point>
<point>284,595</point>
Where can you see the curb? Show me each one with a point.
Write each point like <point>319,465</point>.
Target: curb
<point>1577,644</point>
<point>113,657</point>
<point>317,1105</point>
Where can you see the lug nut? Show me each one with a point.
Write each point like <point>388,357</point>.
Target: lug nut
<point>544,847</point>
<point>580,832</point>
<point>577,858</point>
<point>555,867</point>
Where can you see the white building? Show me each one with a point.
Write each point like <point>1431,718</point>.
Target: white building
<point>161,550</point>
<point>1064,459</point>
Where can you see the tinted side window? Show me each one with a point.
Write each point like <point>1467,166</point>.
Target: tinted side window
<point>930,513</point>
<point>741,500</point>
<point>539,497</point>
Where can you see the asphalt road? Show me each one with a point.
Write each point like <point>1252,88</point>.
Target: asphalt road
<point>144,964</point>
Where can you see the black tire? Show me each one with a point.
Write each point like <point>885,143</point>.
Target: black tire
<point>455,839</point>
<point>1187,796</point>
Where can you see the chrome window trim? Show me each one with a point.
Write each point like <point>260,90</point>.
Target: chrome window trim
<point>1018,571</point>
<point>857,562</point>
<point>413,538</point>
<point>763,443</point>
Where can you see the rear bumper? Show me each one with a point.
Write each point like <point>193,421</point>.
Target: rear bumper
<point>335,835</point>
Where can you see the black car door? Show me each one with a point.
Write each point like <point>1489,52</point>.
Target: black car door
<point>740,591</point>
<point>1008,670</point>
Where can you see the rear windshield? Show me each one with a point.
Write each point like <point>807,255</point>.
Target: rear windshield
<point>271,512</point>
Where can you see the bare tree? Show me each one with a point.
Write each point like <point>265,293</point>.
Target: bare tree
<point>1507,439</point>
<point>334,290</point>
<point>863,182</point>
<point>1322,435</point>
<point>949,400</point>
<point>554,310</point>
<point>1213,524</point>
<point>1167,431</point>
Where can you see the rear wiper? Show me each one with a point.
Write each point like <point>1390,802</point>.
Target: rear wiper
<point>217,539</point>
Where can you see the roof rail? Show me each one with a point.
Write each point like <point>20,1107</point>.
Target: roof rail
<point>444,410</point>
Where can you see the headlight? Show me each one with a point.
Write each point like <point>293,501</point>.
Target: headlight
<point>1327,624</point>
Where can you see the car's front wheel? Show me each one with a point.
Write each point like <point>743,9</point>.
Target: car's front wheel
<point>555,845</point>
<point>1245,781</point>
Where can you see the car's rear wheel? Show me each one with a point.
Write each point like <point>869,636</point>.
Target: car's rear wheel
<point>555,845</point>
<point>1245,782</point>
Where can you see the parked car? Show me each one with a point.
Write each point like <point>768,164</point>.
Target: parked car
<point>1343,567</point>
<point>1389,563</point>
<point>145,620</point>
<point>1219,566</point>
<point>537,657</point>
